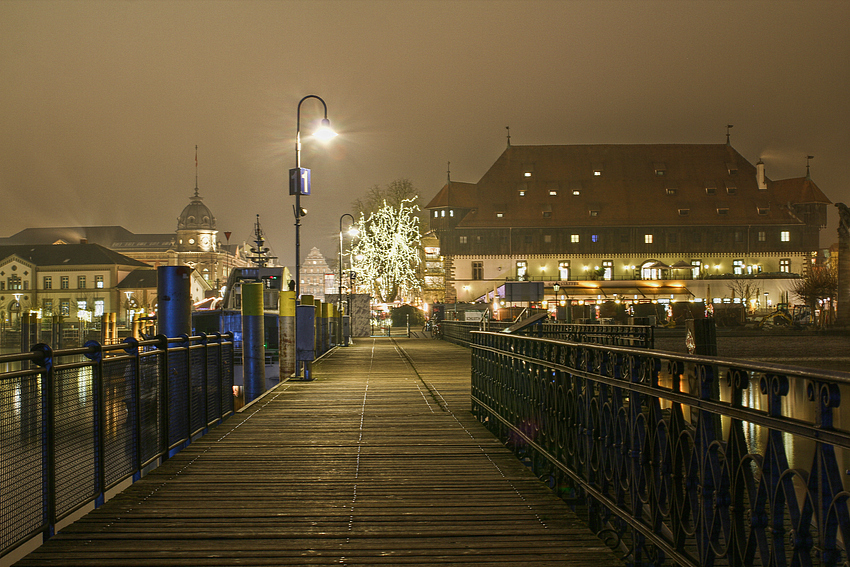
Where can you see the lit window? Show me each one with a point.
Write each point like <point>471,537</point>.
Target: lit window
<point>547,238</point>
<point>436,214</point>
<point>527,174</point>
<point>500,215</point>
<point>81,282</point>
<point>762,236</point>
<point>98,282</point>
<point>521,270</point>
<point>647,238</point>
<point>785,265</point>
<point>597,169</point>
<point>552,192</point>
<point>564,269</point>
<point>442,213</point>
<point>574,238</point>
<point>608,266</point>
<point>522,193</point>
<point>671,190</point>
<point>576,192</point>
<point>463,240</point>
<point>697,264</point>
<point>710,188</point>
<point>660,169</point>
<point>594,238</point>
<point>738,267</point>
<point>451,212</point>
<point>48,282</point>
<point>785,236</point>
<point>594,213</point>
<point>64,282</point>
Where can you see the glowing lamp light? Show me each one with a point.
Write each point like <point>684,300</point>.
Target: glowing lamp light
<point>324,132</point>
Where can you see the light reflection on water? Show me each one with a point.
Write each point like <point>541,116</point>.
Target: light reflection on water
<point>799,451</point>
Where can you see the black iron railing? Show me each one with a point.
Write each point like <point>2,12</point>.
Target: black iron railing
<point>677,459</point>
<point>639,336</point>
<point>75,423</point>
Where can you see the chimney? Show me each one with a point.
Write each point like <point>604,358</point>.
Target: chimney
<point>760,176</point>
<point>84,241</point>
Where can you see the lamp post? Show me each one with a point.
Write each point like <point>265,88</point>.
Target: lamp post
<point>299,180</point>
<point>352,231</point>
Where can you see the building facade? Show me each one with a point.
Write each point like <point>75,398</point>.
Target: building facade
<point>317,277</point>
<point>694,216</point>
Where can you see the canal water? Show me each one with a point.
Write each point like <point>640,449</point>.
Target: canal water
<point>811,351</point>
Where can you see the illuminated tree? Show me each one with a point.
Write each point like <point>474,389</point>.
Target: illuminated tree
<point>386,255</point>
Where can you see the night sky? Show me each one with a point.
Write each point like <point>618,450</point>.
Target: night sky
<point>102,103</point>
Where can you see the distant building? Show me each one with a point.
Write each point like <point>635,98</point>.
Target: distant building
<point>195,243</point>
<point>316,275</point>
<point>588,216</point>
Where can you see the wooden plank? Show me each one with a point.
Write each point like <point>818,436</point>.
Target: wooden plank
<point>376,462</point>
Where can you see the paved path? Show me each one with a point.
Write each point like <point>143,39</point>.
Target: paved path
<point>376,462</point>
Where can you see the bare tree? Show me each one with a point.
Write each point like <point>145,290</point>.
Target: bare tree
<point>745,289</point>
<point>818,283</point>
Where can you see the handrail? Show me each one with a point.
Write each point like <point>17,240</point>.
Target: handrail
<point>694,459</point>
<point>83,420</point>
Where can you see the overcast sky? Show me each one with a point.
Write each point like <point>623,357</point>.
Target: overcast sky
<point>102,103</point>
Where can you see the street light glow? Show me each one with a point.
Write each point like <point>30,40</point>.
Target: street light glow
<point>324,132</point>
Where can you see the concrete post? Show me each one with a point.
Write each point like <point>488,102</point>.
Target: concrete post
<point>287,334</point>
<point>174,292</point>
<point>253,349</point>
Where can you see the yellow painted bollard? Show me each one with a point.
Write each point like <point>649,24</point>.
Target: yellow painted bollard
<point>253,337</point>
<point>287,334</point>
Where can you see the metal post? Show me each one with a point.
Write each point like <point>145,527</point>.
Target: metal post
<point>174,315</point>
<point>253,351</point>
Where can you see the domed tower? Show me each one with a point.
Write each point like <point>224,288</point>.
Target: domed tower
<point>196,227</point>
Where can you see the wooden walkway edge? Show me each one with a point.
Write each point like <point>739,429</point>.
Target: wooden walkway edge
<point>378,461</point>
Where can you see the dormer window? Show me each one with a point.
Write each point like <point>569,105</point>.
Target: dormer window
<point>527,169</point>
<point>522,189</point>
<point>684,212</point>
<point>442,213</point>
<point>594,213</point>
<point>660,168</point>
<point>764,210</point>
<point>710,187</point>
<point>671,189</point>
<point>732,168</point>
<point>500,211</point>
<point>597,169</point>
<point>722,210</point>
<point>731,188</point>
<point>553,193</point>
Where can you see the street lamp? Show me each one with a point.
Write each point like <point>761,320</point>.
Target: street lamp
<point>299,180</point>
<point>352,231</point>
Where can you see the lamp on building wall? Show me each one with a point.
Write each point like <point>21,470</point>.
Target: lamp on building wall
<point>352,231</point>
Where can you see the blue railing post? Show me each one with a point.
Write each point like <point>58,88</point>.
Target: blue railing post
<point>95,354</point>
<point>48,435</point>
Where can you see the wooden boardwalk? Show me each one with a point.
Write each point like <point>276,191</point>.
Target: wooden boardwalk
<point>376,462</point>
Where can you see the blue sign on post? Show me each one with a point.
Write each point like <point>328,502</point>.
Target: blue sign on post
<point>305,332</point>
<point>299,181</point>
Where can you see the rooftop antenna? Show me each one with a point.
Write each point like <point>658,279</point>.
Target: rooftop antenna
<point>508,128</point>
<point>808,173</point>
<point>449,172</point>
<point>196,172</point>
<point>728,127</point>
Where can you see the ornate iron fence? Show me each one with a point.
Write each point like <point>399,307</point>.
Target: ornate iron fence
<point>75,423</point>
<point>641,336</point>
<point>673,458</point>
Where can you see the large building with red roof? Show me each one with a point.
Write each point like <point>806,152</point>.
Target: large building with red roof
<point>626,220</point>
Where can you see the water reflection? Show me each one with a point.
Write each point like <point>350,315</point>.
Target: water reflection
<point>795,405</point>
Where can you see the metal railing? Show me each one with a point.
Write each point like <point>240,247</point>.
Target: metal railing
<point>75,423</point>
<point>639,336</point>
<point>676,459</point>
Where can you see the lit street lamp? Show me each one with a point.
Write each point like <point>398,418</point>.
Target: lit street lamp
<point>352,231</point>
<point>299,180</point>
